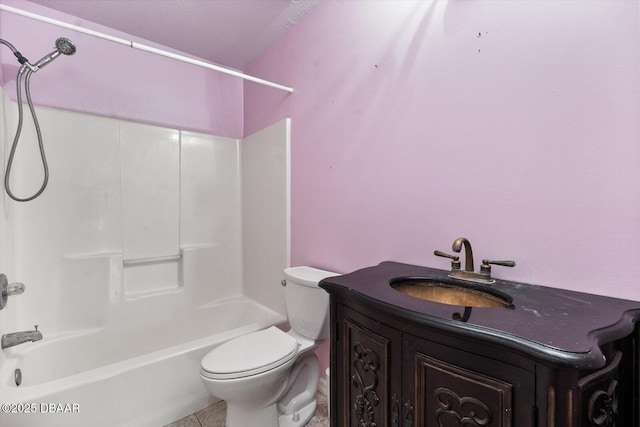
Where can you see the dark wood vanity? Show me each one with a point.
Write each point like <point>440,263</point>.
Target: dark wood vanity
<point>552,358</point>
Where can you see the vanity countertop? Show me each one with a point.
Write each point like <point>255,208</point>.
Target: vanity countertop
<point>558,326</point>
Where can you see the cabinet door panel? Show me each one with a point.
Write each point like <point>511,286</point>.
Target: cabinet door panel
<point>448,396</point>
<point>454,387</point>
<point>366,375</point>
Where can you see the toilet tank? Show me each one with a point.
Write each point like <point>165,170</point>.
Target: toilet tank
<point>307,303</point>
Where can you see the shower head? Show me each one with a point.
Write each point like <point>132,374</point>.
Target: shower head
<point>63,45</point>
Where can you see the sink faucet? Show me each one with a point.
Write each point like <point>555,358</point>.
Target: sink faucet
<point>482,276</point>
<point>468,253</point>
<point>16,338</point>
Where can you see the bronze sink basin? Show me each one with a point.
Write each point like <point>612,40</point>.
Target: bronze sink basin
<point>451,292</point>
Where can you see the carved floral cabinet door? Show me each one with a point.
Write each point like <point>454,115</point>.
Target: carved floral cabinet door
<point>467,390</point>
<point>368,371</point>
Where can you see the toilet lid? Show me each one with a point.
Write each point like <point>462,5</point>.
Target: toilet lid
<point>249,354</point>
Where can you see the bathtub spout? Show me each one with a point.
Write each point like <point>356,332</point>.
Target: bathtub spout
<point>15,338</point>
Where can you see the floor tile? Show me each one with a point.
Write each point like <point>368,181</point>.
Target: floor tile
<point>190,421</point>
<point>213,416</point>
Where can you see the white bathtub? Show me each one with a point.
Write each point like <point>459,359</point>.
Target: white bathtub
<point>147,375</point>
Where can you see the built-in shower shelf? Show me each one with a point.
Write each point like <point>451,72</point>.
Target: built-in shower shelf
<point>151,260</point>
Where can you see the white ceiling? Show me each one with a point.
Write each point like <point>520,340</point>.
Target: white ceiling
<point>228,32</point>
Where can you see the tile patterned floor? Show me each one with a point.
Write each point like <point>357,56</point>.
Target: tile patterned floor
<point>214,415</point>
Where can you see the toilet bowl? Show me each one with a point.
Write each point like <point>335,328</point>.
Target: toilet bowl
<point>269,378</point>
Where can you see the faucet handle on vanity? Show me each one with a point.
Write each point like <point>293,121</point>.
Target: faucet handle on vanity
<point>455,259</point>
<point>486,265</point>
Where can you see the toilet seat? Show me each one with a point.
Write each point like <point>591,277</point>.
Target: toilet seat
<point>249,354</point>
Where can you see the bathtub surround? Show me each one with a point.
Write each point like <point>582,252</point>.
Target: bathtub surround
<point>6,242</point>
<point>266,206</point>
<point>115,196</point>
<point>133,261</point>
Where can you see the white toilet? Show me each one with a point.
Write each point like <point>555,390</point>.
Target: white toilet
<point>269,378</point>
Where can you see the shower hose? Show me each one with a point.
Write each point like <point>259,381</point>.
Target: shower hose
<point>24,69</point>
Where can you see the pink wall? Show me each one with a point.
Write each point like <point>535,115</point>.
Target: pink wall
<point>515,124</point>
<point>112,80</point>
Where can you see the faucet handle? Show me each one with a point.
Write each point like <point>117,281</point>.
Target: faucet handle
<point>486,264</point>
<point>15,288</point>
<point>455,259</point>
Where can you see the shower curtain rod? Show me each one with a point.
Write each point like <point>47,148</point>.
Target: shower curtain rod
<point>140,46</point>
